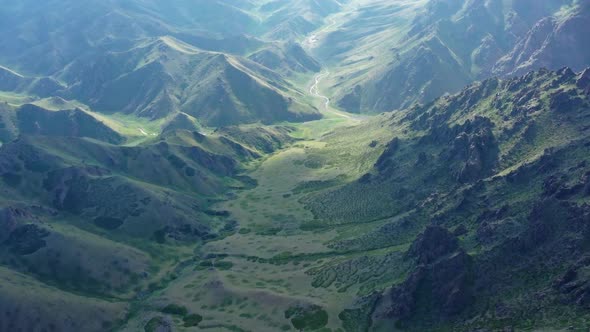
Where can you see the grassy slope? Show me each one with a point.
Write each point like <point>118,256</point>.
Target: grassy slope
<point>83,256</point>
<point>294,247</point>
<point>254,292</point>
<point>281,254</point>
<point>388,55</point>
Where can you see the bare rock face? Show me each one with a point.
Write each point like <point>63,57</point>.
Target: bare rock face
<point>583,81</point>
<point>442,279</point>
<point>551,43</point>
<point>566,101</point>
<point>574,284</point>
<point>526,48</point>
<point>434,243</point>
<point>476,149</point>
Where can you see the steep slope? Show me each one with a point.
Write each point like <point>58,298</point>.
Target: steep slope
<point>495,179</point>
<point>33,120</point>
<point>286,58</point>
<point>164,76</point>
<point>439,46</point>
<point>30,119</point>
<point>98,225</point>
<point>15,82</point>
<point>30,30</point>
<point>553,41</point>
<point>291,20</point>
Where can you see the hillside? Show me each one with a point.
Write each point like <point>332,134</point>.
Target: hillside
<point>436,47</point>
<point>39,86</point>
<point>286,58</point>
<point>139,58</point>
<point>294,165</point>
<point>468,213</point>
<point>492,180</point>
<point>165,76</point>
<point>94,224</point>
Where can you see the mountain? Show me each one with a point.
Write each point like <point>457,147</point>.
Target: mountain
<point>188,165</point>
<point>441,46</point>
<point>137,57</point>
<point>291,20</point>
<point>40,86</point>
<point>92,223</point>
<point>493,185</point>
<point>553,41</point>
<point>286,59</point>
<point>164,76</point>
<point>30,119</point>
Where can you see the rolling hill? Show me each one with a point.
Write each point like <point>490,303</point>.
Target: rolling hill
<point>294,165</point>
<point>164,76</point>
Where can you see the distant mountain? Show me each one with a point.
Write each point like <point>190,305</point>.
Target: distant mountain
<point>446,44</point>
<point>286,58</point>
<point>553,41</point>
<point>293,19</point>
<point>137,57</point>
<point>39,86</point>
<point>164,76</point>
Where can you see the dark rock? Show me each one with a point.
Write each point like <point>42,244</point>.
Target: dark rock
<point>446,284</point>
<point>485,233</point>
<point>476,149</point>
<point>422,159</point>
<point>384,160</point>
<point>565,75</point>
<point>460,230</point>
<point>433,244</point>
<point>108,223</point>
<point>583,81</point>
<point>568,277</point>
<point>562,101</point>
<point>492,215</point>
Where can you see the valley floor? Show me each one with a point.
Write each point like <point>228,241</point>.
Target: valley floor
<point>248,280</point>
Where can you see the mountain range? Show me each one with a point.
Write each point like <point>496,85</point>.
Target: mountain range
<point>294,165</point>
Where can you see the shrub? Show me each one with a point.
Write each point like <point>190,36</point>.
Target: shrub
<point>192,320</point>
<point>174,309</point>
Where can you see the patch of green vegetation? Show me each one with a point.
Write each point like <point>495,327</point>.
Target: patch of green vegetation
<point>174,309</point>
<point>108,223</point>
<point>308,318</point>
<point>12,179</point>
<point>192,320</point>
<point>154,324</point>
<point>244,231</point>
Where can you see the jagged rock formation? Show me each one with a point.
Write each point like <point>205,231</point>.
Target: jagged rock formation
<point>450,44</point>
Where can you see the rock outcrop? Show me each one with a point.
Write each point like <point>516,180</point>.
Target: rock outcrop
<point>441,280</point>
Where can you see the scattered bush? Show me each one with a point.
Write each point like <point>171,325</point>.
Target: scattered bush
<point>308,318</point>
<point>174,309</point>
<point>154,324</point>
<point>192,320</point>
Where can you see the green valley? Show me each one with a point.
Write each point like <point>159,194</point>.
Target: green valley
<point>294,165</point>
